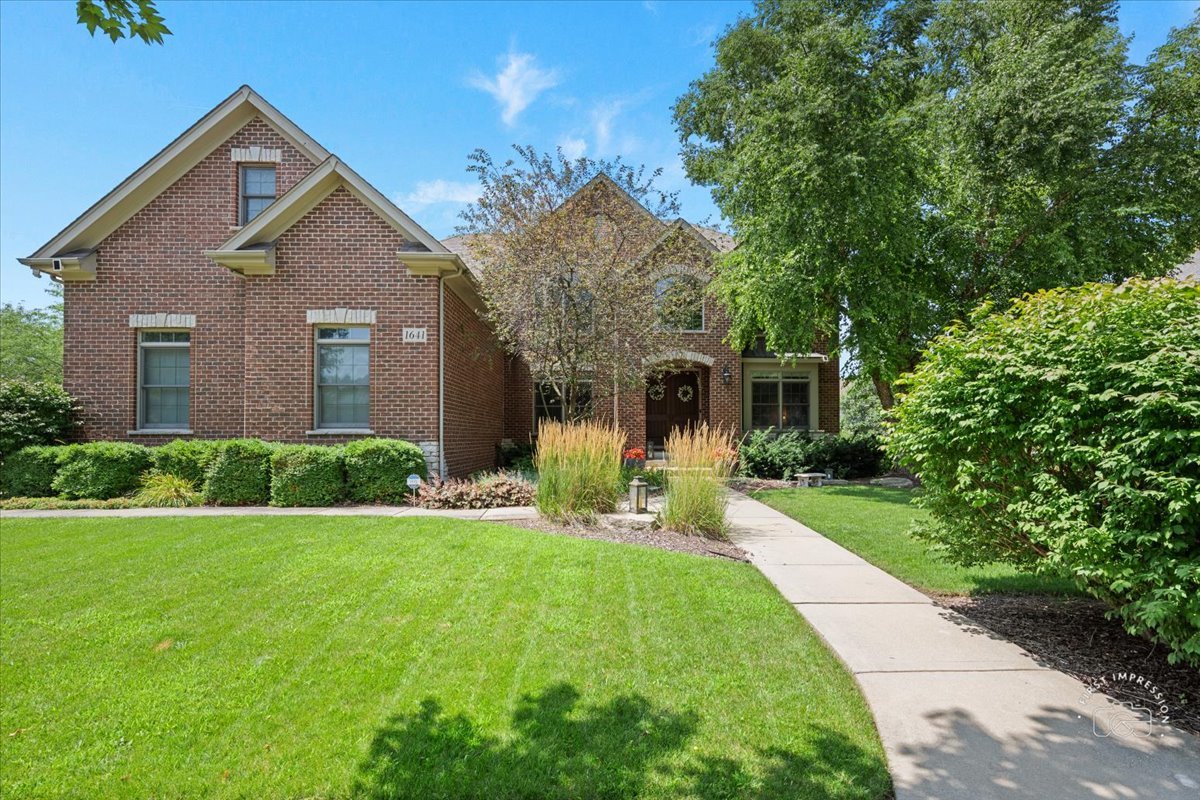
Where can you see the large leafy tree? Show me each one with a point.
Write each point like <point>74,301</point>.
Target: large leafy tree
<point>889,164</point>
<point>31,342</point>
<point>568,275</point>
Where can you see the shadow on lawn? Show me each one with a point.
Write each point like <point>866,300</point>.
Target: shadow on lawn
<point>560,747</point>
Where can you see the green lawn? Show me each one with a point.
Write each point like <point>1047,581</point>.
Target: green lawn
<point>367,658</point>
<point>873,522</point>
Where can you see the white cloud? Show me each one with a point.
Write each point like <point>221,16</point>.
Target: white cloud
<point>603,114</point>
<point>573,147</point>
<point>430,193</point>
<point>650,5</point>
<point>516,85</point>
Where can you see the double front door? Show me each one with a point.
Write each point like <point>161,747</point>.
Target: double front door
<point>672,401</point>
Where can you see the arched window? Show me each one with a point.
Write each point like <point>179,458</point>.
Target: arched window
<point>679,300</point>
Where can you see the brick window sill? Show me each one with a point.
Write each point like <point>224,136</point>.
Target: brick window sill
<point>340,432</point>
<point>159,432</point>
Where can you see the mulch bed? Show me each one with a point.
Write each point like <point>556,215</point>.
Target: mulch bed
<point>605,530</point>
<point>1073,636</point>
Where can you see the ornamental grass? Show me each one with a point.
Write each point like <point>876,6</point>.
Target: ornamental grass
<point>579,469</point>
<point>702,459</point>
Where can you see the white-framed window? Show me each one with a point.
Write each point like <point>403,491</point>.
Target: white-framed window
<point>164,379</point>
<point>780,398</point>
<point>342,396</point>
<point>679,302</point>
<point>256,192</point>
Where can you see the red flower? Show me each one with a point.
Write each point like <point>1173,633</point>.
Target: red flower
<point>636,453</point>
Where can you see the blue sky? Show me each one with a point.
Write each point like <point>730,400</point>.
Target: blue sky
<point>401,91</point>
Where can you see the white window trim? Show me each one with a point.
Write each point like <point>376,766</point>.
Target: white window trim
<point>242,166</point>
<point>809,371</point>
<point>318,429</point>
<point>140,403</point>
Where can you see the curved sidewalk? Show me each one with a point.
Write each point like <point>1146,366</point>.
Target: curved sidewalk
<point>963,714</point>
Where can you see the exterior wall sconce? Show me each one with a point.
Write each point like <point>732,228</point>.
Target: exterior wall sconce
<point>726,375</point>
<point>638,491</point>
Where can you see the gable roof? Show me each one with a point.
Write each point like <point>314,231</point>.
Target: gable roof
<point>310,190</point>
<point>150,179</point>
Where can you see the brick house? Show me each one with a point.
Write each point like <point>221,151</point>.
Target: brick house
<point>246,282</point>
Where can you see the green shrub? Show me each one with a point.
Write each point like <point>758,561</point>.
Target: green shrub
<point>772,454</point>
<point>164,490</point>
<point>59,504</point>
<point>34,413</point>
<point>239,474</point>
<point>100,470</point>
<point>1063,436</point>
<point>780,455</point>
<point>304,475</point>
<point>579,469</point>
<point>30,471</point>
<point>377,470</point>
<point>653,476</point>
<point>185,458</point>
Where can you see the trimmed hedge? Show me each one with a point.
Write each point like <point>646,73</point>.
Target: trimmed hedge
<point>30,471</point>
<point>33,413</point>
<point>307,475</point>
<point>100,470</point>
<point>240,474</point>
<point>185,458</point>
<point>376,469</point>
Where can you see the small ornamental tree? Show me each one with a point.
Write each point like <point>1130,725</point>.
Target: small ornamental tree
<point>1063,435</point>
<point>568,284</point>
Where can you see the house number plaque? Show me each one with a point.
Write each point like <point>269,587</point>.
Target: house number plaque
<point>415,336</point>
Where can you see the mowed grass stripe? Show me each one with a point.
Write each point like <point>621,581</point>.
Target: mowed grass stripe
<point>319,657</point>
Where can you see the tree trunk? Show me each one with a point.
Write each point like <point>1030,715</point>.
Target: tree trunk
<point>884,389</point>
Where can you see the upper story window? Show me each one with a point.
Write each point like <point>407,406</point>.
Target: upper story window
<point>164,379</point>
<point>343,377</point>
<point>679,301</point>
<point>257,191</point>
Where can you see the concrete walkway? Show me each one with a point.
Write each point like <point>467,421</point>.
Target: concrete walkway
<point>963,714</point>
<point>493,514</point>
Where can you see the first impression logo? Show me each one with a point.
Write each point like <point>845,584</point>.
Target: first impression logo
<point>1135,707</point>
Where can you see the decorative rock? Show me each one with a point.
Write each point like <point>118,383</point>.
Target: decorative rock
<point>893,483</point>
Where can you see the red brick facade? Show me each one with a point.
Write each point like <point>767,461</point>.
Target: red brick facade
<point>253,346</point>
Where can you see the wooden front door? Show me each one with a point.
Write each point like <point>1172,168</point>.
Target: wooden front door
<point>673,401</point>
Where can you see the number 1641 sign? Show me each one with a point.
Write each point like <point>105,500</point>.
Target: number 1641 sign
<point>415,336</point>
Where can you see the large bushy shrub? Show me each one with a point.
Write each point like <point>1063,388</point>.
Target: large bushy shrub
<point>304,475</point>
<point>377,469</point>
<point>33,413</point>
<point>30,471</point>
<point>1063,435</point>
<point>185,458</point>
<point>240,474</point>
<point>100,470</point>
<point>780,455</point>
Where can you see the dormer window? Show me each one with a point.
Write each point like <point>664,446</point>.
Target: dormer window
<point>257,191</point>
